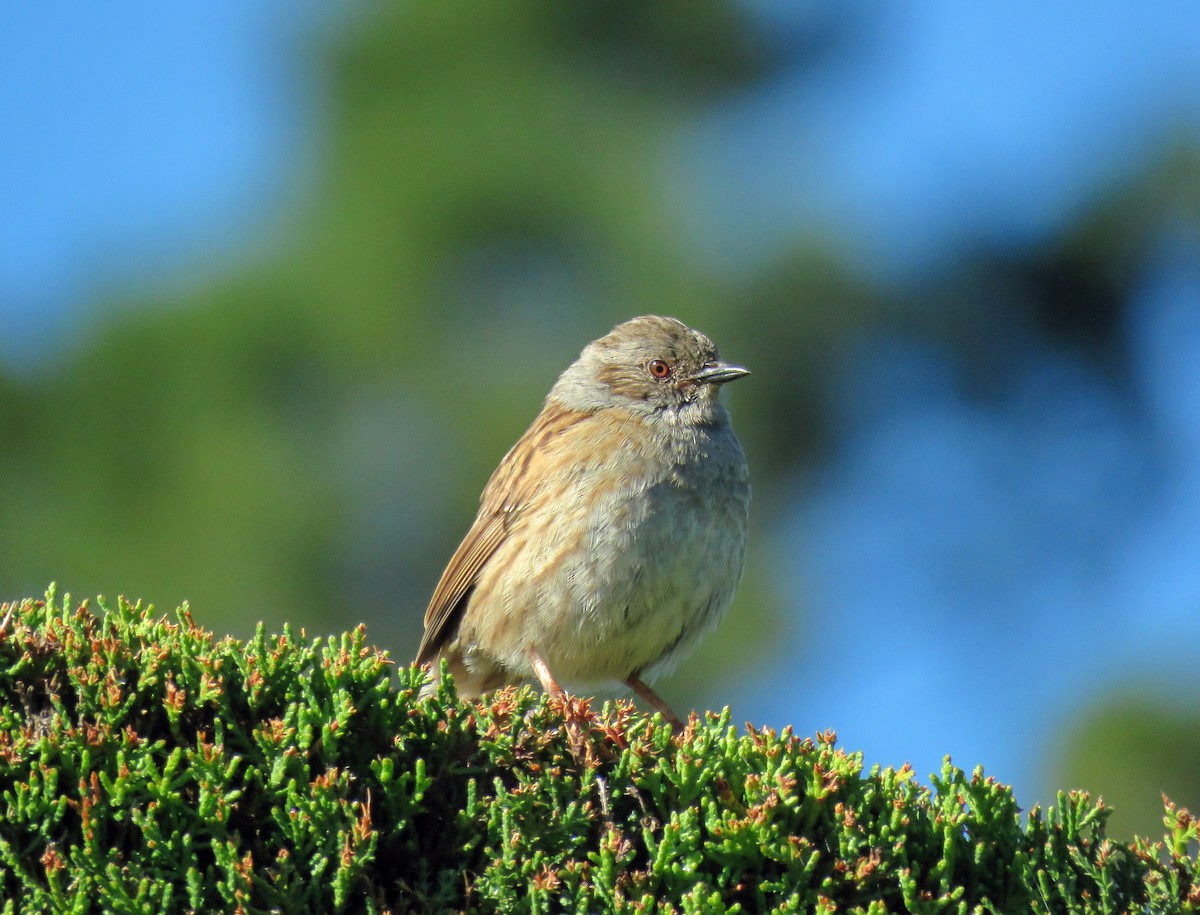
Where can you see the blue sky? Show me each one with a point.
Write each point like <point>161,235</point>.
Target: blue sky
<point>950,122</point>
<point>142,139</point>
<point>976,573</point>
<point>145,138</point>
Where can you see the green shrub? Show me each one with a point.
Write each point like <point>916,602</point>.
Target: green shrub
<point>147,767</point>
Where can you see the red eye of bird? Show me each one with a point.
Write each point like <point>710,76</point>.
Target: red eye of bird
<point>659,369</point>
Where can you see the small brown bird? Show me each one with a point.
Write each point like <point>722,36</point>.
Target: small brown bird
<point>612,535</point>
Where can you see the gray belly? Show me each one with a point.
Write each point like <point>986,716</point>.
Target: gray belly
<point>659,572</point>
<point>625,584</point>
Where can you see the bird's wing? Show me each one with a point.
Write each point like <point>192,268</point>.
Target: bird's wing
<point>506,494</point>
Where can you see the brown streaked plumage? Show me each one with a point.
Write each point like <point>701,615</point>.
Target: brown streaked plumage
<point>611,535</point>
<point>508,491</point>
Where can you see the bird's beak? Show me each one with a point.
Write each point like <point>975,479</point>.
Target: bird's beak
<point>719,373</point>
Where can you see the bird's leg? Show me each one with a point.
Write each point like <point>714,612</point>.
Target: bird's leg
<point>574,711</point>
<point>542,669</point>
<point>655,700</point>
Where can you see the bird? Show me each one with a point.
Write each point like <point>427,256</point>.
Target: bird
<point>612,536</point>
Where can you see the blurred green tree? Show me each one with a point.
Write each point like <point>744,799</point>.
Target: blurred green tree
<point>1130,748</point>
<point>302,437</point>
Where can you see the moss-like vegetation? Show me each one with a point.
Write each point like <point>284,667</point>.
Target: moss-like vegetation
<point>146,766</point>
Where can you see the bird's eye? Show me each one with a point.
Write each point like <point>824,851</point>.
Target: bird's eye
<point>660,369</point>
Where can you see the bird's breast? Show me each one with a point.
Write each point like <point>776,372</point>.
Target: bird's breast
<point>626,561</point>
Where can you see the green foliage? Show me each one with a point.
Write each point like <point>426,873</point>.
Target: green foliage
<point>146,766</point>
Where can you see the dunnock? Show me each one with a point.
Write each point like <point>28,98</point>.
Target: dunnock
<point>611,537</point>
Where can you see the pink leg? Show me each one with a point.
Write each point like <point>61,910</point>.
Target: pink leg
<point>574,711</point>
<point>542,669</point>
<point>655,700</point>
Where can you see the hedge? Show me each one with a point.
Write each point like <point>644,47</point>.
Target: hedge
<point>147,766</point>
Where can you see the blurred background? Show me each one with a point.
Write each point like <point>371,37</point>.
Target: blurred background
<point>280,283</point>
